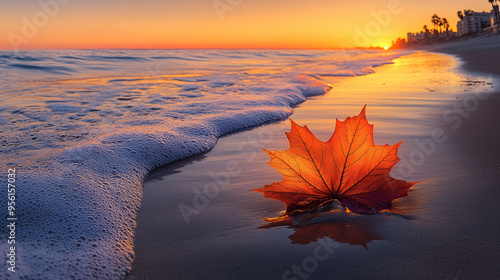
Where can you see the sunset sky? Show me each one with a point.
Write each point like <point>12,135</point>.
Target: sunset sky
<point>29,24</point>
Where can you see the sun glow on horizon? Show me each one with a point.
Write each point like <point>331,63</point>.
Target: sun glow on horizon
<point>170,24</point>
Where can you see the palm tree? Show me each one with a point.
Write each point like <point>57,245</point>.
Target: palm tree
<point>426,34</point>
<point>435,21</point>
<point>446,25</point>
<point>467,12</point>
<point>460,15</point>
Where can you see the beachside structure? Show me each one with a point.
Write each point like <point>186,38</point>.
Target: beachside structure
<point>424,38</point>
<point>475,22</point>
<point>415,38</point>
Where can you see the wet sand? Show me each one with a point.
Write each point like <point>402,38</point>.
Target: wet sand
<point>479,54</point>
<point>449,120</point>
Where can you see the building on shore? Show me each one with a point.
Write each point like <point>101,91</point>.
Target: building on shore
<point>415,39</point>
<point>425,38</point>
<point>469,25</point>
<point>475,22</point>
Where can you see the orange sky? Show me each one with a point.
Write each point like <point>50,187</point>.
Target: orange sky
<point>233,24</point>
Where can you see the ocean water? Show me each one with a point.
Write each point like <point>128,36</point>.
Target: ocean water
<point>439,234</point>
<point>82,129</point>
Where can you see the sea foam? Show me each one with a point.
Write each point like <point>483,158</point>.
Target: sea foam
<point>81,147</point>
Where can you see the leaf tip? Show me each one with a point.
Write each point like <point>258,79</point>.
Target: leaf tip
<point>255,190</point>
<point>397,145</point>
<point>363,112</point>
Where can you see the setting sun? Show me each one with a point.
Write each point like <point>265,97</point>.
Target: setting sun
<point>132,132</point>
<point>169,24</point>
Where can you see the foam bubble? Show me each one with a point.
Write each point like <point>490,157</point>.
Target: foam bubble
<point>82,159</point>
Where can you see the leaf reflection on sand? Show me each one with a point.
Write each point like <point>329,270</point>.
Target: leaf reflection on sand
<point>349,228</point>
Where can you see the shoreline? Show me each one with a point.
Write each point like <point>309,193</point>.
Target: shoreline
<point>102,176</point>
<point>460,135</point>
<point>478,54</point>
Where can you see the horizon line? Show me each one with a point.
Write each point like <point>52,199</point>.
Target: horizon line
<point>215,48</point>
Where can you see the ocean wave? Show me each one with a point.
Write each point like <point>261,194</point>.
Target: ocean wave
<point>72,57</point>
<point>50,69</point>
<point>85,148</point>
<point>93,190</point>
<point>27,58</point>
<point>102,57</point>
<point>175,57</point>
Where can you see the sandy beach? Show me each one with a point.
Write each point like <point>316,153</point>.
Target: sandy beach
<point>447,114</point>
<point>250,140</point>
<point>479,54</point>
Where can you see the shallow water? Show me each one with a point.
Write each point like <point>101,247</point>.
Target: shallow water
<point>218,236</point>
<point>82,128</point>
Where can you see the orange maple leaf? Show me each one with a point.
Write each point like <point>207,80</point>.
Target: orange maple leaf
<point>349,167</point>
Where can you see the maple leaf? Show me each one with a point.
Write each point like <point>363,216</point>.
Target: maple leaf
<point>348,167</point>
